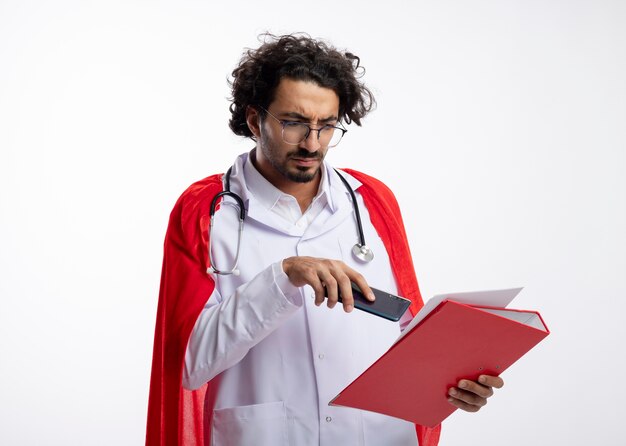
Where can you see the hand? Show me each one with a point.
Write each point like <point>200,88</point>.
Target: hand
<point>326,276</point>
<point>470,396</point>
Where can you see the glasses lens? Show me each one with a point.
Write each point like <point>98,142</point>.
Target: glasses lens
<point>330,136</point>
<point>294,132</point>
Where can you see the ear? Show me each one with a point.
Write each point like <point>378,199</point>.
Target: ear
<point>253,119</point>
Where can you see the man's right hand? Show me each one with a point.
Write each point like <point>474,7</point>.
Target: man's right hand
<point>328,278</point>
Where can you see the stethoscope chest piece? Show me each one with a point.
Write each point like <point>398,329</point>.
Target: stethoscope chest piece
<point>360,250</point>
<point>363,253</point>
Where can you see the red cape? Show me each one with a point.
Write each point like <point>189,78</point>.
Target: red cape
<point>176,415</point>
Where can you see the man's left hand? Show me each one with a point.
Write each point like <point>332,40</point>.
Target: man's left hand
<point>470,396</point>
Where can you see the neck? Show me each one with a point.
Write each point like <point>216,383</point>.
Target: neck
<point>305,196</point>
<point>302,192</point>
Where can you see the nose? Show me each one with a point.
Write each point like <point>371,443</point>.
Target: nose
<point>312,142</point>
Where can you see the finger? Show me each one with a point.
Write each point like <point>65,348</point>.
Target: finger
<point>320,292</point>
<point>475,388</point>
<point>361,283</point>
<point>342,284</point>
<point>332,293</point>
<point>491,381</point>
<point>310,277</point>
<point>463,405</point>
<point>345,289</point>
<point>465,397</point>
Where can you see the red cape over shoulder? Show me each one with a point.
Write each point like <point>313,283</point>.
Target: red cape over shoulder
<point>176,415</point>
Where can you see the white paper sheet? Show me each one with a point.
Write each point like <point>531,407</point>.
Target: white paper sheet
<point>489,298</point>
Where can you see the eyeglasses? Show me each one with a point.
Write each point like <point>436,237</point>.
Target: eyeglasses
<point>295,132</point>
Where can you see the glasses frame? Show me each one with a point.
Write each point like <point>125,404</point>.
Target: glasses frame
<point>285,122</point>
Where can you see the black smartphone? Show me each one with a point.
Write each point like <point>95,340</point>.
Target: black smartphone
<point>386,305</point>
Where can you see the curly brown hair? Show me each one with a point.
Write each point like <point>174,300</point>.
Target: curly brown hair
<point>299,57</point>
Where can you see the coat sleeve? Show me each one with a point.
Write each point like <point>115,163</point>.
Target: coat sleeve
<point>229,327</point>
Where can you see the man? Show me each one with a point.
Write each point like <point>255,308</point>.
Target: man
<point>245,353</point>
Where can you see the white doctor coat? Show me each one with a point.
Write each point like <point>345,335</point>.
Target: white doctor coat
<point>274,359</point>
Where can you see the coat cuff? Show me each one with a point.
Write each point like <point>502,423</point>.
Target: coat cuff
<point>291,292</point>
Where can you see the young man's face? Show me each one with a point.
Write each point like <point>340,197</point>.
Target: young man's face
<point>300,101</point>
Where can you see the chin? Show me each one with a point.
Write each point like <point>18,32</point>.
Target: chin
<point>303,174</point>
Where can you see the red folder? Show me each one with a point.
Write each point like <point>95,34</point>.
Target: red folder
<point>454,341</point>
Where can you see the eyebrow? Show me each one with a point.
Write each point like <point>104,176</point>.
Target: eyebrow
<point>300,117</point>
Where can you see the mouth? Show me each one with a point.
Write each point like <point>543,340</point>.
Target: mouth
<point>306,162</point>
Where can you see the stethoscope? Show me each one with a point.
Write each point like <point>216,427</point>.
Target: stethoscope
<point>360,250</point>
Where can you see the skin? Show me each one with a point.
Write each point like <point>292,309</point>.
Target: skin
<point>295,170</point>
<point>280,162</point>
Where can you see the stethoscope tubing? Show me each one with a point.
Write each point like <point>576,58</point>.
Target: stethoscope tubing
<point>360,250</point>
<point>355,206</point>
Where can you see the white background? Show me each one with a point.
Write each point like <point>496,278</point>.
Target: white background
<point>500,125</point>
